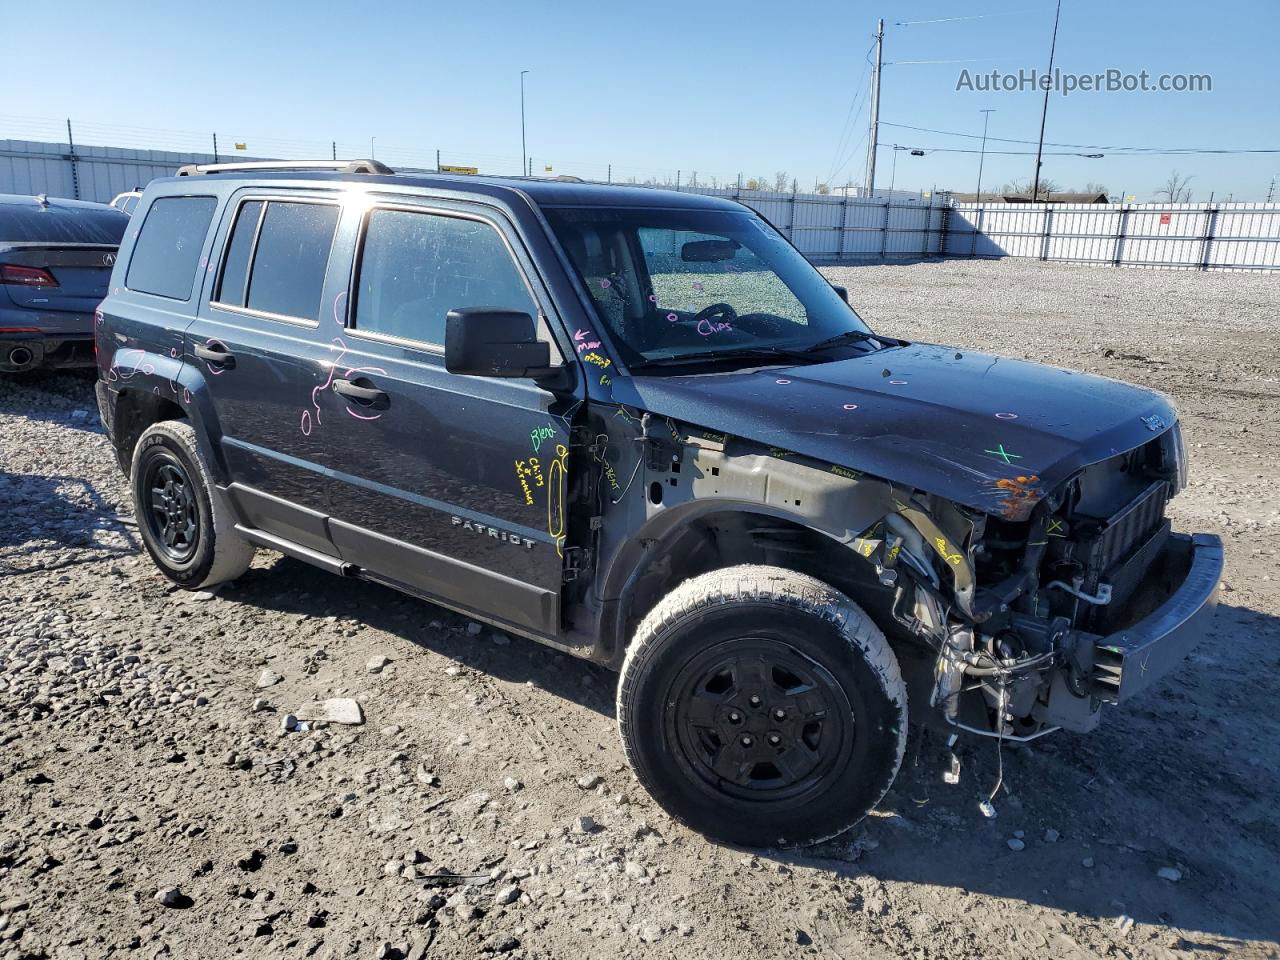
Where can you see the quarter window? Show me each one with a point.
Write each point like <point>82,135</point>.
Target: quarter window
<point>416,267</point>
<point>167,251</point>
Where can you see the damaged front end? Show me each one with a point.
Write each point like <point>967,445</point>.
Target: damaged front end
<point>1069,599</point>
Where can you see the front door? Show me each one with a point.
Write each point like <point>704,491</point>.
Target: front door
<point>450,485</point>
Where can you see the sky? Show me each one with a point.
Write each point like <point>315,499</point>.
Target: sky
<point>709,89</point>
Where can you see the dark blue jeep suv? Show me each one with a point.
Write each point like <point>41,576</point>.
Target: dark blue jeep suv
<point>638,426</point>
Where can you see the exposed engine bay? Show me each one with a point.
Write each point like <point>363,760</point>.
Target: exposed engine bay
<point>1014,609</point>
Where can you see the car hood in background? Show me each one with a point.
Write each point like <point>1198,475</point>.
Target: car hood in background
<point>988,432</point>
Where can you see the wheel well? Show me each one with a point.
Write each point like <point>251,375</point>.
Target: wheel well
<point>135,411</point>
<point>730,538</point>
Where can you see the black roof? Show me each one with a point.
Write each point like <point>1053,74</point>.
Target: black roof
<point>541,192</point>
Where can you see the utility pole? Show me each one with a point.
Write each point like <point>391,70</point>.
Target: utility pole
<point>215,147</point>
<point>524,154</point>
<point>372,154</point>
<point>1271,190</point>
<point>1044,111</point>
<point>874,132</point>
<point>986,118</point>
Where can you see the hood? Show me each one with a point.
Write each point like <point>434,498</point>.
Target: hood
<point>988,432</point>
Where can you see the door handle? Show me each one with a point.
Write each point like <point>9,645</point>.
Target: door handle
<point>363,392</point>
<point>223,357</point>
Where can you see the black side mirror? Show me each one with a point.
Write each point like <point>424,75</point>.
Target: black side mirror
<point>491,342</point>
<point>843,291</point>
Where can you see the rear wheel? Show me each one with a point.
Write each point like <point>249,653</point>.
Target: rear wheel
<point>183,523</point>
<point>762,707</point>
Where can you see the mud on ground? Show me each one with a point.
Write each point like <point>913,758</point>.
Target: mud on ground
<point>140,757</point>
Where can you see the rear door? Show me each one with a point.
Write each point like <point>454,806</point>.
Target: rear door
<point>259,341</point>
<point>451,485</point>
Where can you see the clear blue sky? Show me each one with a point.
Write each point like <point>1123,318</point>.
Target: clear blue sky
<point>717,88</point>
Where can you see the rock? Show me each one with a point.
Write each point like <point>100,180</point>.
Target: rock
<point>473,629</point>
<point>453,671</point>
<point>260,705</point>
<point>1087,863</point>
<point>377,663</point>
<point>252,861</point>
<point>512,784</point>
<point>1016,844</point>
<point>650,933</point>
<point>169,897</point>
<point>501,639</point>
<point>1124,923</point>
<point>583,825</point>
<point>1172,874</point>
<point>803,939</point>
<point>1051,835</point>
<point>268,678</point>
<point>589,781</point>
<point>390,731</point>
<point>507,895</point>
<point>288,723</point>
<point>426,777</point>
<point>635,870</point>
<point>338,710</point>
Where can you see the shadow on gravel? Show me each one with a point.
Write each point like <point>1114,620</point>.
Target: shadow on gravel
<point>295,587</point>
<point>51,522</point>
<point>1183,778</point>
<point>21,394</point>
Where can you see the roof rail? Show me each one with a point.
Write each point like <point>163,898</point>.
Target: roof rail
<point>338,166</point>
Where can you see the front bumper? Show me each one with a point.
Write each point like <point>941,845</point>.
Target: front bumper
<point>1185,584</point>
<point>20,351</point>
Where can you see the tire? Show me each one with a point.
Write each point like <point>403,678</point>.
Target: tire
<point>190,533</point>
<point>704,678</point>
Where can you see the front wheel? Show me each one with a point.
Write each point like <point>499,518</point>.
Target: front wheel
<point>762,707</point>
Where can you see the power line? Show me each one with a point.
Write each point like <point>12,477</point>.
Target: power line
<point>1080,146</point>
<point>853,104</point>
<point>980,16</point>
<point>1072,153</point>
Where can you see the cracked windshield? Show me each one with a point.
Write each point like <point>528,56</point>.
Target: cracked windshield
<point>672,285</point>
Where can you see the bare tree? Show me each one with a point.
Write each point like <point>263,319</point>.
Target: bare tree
<point>1176,189</point>
<point>1022,188</point>
<point>780,181</point>
<point>1092,187</point>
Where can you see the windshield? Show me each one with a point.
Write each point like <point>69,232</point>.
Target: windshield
<point>688,283</point>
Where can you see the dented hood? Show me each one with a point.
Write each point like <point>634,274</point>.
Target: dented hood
<point>988,432</point>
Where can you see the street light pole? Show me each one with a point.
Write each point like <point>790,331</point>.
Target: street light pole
<point>524,154</point>
<point>982,155</point>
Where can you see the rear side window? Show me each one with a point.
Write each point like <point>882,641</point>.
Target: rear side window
<point>235,270</point>
<point>167,251</point>
<point>416,267</point>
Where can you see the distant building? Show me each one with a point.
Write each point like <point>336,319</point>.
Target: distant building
<point>1019,198</point>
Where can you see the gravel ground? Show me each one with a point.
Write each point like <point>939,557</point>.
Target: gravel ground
<point>151,804</point>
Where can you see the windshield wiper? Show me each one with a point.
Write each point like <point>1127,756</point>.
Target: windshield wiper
<point>849,336</point>
<point>712,356</point>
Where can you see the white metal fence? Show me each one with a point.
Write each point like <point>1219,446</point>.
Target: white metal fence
<point>827,229</point>
<point>1192,236</point>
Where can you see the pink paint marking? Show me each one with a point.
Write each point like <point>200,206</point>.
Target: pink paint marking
<point>1006,416</point>
<point>336,300</point>
<point>672,317</point>
<point>851,406</point>
<point>782,382</point>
